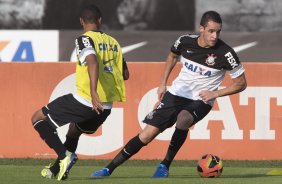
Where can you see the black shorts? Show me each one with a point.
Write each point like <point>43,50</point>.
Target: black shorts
<point>66,109</point>
<point>166,114</point>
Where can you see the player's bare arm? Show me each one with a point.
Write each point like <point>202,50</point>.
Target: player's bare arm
<point>93,72</point>
<point>170,64</point>
<point>125,71</point>
<point>238,85</point>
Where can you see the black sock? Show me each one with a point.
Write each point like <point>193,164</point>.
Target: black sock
<point>71,144</point>
<point>55,168</point>
<point>131,148</point>
<point>50,136</point>
<point>177,140</point>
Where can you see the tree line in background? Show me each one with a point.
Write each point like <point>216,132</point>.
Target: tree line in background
<point>117,14</point>
<point>237,15</point>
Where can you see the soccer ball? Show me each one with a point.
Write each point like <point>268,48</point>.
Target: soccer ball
<point>210,166</point>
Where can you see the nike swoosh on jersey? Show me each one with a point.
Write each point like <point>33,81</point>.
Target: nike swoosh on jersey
<point>189,51</point>
<point>105,62</point>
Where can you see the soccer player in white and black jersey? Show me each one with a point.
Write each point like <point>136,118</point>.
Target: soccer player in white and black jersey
<point>205,60</point>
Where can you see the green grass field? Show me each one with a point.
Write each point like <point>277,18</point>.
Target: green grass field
<point>19,171</point>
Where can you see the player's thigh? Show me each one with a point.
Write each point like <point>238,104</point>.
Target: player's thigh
<point>148,133</point>
<point>184,120</point>
<point>91,125</point>
<point>38,115</point>
<point>162,118</point>
<point>66,109</point>
<point>198,109</point>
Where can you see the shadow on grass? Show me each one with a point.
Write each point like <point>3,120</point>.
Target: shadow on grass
<point>171,177</point>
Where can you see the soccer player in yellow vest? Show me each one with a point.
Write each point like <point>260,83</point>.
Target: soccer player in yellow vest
<point>100,74</point>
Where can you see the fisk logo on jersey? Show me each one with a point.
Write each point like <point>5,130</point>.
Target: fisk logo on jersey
<point>231,60</point>
<point>78,50</point>
<point>177,42</point>
<point>86,42</point>
<point>197,69</point>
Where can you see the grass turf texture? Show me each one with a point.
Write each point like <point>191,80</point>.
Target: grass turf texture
<point>19,171</point>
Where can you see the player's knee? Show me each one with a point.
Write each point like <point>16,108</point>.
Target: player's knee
<point>145,138</point>
<point>73,131</point>
<point>184,120</point>
<point>148,134</point>
<point>184,125</point>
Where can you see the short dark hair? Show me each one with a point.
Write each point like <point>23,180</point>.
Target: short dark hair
<point>90,13</point>
<point>210,16</point>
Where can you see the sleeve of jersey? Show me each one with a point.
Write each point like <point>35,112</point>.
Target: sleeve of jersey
<point>176,47</point>
<point>234,65</point>
<point>84,47</point>
<point>236,72</point>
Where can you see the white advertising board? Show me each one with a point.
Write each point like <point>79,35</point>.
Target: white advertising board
<point>29,46</point>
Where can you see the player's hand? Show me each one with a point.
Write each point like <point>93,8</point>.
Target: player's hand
<point>161,91</point>
<point>97,106</point>
<point>208,95</point>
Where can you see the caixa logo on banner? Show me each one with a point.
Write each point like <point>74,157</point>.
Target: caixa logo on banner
<point>28,46</point>
<point>23,53</point>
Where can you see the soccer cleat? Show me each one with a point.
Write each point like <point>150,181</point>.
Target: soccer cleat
<point>66,164</point>
<point>274,172</point>
<point>47,173</point>
<point>101,173</point>
<point>161,172</point>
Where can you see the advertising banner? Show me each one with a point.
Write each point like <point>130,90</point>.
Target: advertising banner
<point>29,46</point>
<point>245,126</point>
